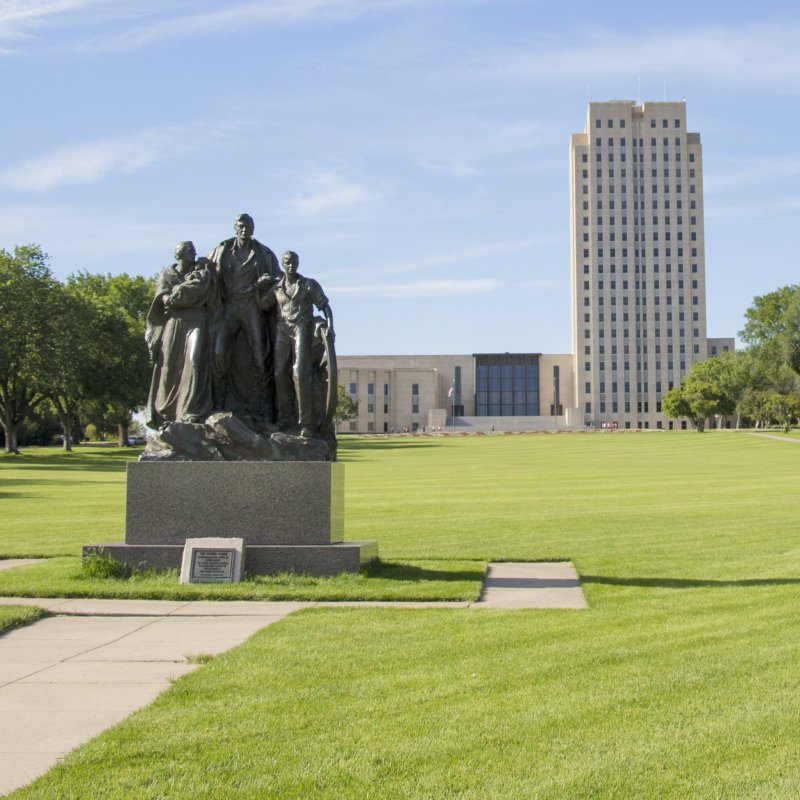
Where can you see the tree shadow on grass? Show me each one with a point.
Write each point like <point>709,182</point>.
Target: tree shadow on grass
<point>361,450</point>
<point>99,461</point>
<point>398,571</point>
<point>686,583</point>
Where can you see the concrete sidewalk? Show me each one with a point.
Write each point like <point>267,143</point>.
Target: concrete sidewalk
<point>536,585</point>
<point>65,679</point>
<point>68,677</point>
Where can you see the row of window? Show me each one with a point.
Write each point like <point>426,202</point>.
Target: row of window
<point>642,302</point>
<point>640,349</point>
<point>623,189</point>
<point>598,142</point>
<point>612,236</point>
<point>639,252</point>
<point>641,407</point>
<point>353,392</point>
<point>641,221</point>
<point>656,331</point>
<point>641,366</point>
<point>623,173</point>
<point>636,204</point>
<point>639,269</point>
<point>638,285</point>
<point>598,123</point>
<point>624,333</point>
<point>627,388</point>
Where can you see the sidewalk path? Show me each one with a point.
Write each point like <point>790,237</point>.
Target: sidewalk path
<point>542,585</point>
<point>776,436</point>
<point>65,679</point>
<point>68,677</point>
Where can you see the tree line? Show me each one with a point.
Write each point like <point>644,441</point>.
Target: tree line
<point>72,350</point>
<point>761,383</point>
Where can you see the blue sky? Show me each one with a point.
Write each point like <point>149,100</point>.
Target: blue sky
<point>414,152</point>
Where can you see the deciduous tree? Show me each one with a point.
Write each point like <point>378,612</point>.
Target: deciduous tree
<point>346,408</point>
<point>121,302</point>
<point>26,285</point>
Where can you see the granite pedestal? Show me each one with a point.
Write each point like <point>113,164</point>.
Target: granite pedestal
<point>289,514</point>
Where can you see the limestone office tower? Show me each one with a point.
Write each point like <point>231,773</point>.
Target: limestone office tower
<point>638,264</point>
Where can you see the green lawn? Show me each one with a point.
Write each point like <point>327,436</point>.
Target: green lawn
<point>52,500</point>
<point>407,580</point>
<point>16,616</point>
<point>681,681</point>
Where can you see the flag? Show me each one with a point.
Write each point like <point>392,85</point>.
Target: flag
<point>452,391</point>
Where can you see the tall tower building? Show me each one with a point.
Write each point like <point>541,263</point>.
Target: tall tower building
<point>638,264</point>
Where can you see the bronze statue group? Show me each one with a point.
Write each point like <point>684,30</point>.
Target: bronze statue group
<point>235,332</point>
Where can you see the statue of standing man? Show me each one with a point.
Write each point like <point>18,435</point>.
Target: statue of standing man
<point>295,297</point>
<point>243,371</point>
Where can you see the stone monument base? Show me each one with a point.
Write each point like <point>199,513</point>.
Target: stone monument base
<point>290,515</point>
<point>316,560</point>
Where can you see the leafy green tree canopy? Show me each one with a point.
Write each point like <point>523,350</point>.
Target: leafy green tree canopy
<point>26,286</point>
<point>346,409</point>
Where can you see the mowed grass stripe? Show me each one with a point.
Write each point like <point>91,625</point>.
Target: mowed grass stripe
<point>469,704</point>
<point>679,681</point>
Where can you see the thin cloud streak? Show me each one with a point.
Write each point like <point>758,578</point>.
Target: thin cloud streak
<point>772,210</point>
<point>758,55</point>
<point>461,256</point>
<point>17,17</point>
<point>752,171</point>
<point>329,192</point>
<point>467,255</point>
<point>89,162</point>
<point>407,291</point>
<point>245,15</point>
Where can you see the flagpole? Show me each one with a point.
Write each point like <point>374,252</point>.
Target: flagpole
<point>452,394</point>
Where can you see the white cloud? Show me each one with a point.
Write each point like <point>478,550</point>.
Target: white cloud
<point>328,191</point>
<point>422,288</point>
<point>89,162</point>
<point>758,55</point>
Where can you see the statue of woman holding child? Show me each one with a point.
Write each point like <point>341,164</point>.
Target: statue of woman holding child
<point>179,340</point>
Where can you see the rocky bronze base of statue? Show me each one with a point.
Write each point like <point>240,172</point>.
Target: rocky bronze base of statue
<point>228,437</point>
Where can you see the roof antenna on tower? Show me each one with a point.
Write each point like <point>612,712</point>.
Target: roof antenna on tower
<point>639,91</point>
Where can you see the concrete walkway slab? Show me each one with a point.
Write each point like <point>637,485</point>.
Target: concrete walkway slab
<point>65,679</point>
<point>553,584</point>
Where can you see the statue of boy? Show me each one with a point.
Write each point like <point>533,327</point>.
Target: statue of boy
<point>295,298</point>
